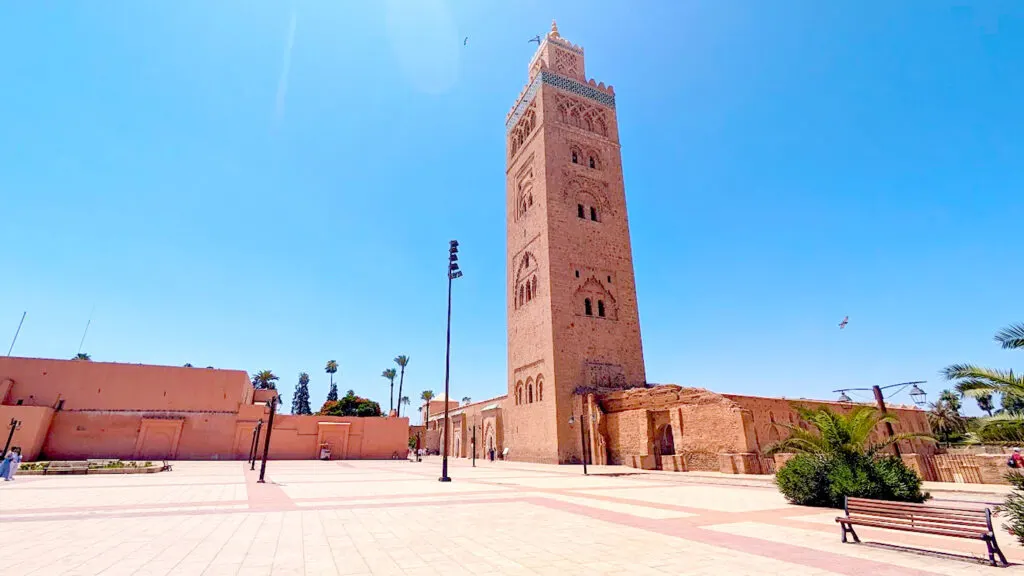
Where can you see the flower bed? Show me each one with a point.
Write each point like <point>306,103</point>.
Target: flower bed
<point>89,467</point>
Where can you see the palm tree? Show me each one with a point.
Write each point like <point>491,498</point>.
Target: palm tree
<point>427,396</point>
<point>404,400</point>
<point>264,380</point>
<point>985,403</point>
<point>390,375</point>
<point>945,421</point>
<point>83,356</point>
<point>466,399</point>
<point>188,365</point>
<point>977,381</point>
<point>402,362</point>
<point>950,398</point>
<point>300,400</point>
<point>332,393</point>
<point>840,434</point>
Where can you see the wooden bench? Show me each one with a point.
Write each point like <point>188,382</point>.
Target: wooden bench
<point>974,524</point>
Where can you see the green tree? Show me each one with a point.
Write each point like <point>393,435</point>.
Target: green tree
<point>332,393</point>
<point>466,399</point>
<point>390,375</point>
<point>350,405</point>
<point>427,396</point>
<point>985,403</point>
<point>839,434</point>
<point>83,357</point>
<point>946,422</point>
<point>404,400</point>
<point>264,380</point>
<point>402,362</point>
<point>951,399</point>
<point>979,382</point>
<point>300,399</point>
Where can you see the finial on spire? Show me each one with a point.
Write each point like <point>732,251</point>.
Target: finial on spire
<point>554,29</point>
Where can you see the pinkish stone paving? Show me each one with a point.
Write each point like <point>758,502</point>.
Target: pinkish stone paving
<point>394,517</point>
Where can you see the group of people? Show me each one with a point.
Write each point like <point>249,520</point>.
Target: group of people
<point>10,464</point>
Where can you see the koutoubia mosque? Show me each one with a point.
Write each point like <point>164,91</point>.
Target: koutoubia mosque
<point>575,354</point>
<point>576,386</point>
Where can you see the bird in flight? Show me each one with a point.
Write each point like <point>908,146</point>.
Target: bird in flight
<point>846,320</point>
<point>465,40</point>
<point>535,39</point>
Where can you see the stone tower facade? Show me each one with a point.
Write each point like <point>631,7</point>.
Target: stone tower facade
<point>572,310</point>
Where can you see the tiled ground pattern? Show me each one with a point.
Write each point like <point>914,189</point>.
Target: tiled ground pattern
<point>361,518</point>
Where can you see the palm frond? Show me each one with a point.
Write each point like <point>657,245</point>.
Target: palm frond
<point>1011,337</point>
<point>976,380</point>
<point>879,446</point>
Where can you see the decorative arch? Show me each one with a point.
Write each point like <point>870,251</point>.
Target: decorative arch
<point>529,390</point>
<point>523,129</point>
<point>519,393</point>
<point>525,287</point>
<point>593,159</point>
<point>594,299</point>
<point>540,387</point>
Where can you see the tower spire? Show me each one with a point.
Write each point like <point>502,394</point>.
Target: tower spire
<point>554,29</point>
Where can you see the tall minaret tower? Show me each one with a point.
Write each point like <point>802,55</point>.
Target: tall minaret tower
<point>572,311</point>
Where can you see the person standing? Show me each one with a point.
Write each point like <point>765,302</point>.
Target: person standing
<point>10,464</point>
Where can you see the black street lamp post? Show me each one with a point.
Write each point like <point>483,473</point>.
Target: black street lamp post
<point>453,273</point>
<point>272,404</point>
<point>916,394</point>
<point>14,425</point>
<point>255,443</point>
<point>474,445</point>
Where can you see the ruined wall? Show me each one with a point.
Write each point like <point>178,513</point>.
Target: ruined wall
<point>767,411</point>
<point>666,421</point>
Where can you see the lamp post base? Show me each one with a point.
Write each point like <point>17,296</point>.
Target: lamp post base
<point>444,479</point>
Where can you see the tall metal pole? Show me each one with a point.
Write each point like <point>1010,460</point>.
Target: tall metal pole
<point>255,437</point>
<point>583,446</point>
<point>16,332</point>
<point>266,444</point>
<point>447,357</point>
<point>256,448</point>
<point>474,445</point>
<point>888,425</point>
<point>15,424</point>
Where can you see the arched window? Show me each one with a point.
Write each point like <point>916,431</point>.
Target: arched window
<point>529,394</point>
<point>579,211</point>
<point>575,159</point>
<point>588,309</point>
<point>540,389</point>
<point>519,393</point>
<point>526,259</point>
<point>529,200</point>
<point>592,163</point>
<point>534,285</point>
<point>522,295</point>
<point>593,214</point>
<point>600,308</point>
<point>529,292</point>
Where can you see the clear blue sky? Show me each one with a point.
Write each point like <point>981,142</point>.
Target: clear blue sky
<point>786,164</point>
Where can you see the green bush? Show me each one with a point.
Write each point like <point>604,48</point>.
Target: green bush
<point>821,480</point>
<point>1012,509</point>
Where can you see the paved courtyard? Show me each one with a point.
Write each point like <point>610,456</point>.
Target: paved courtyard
<point>394,517</point>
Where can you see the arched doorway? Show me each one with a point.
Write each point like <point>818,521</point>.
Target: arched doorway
<point>666,442</point>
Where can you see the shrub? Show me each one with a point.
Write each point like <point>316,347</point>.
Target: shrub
<point>1012,509</point>
<point>824,480</point>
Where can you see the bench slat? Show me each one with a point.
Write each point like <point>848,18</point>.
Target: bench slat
<point>952,518</point>
<point>884,511</point>
<point>924,523</point>
<point>853,502</point>
<point>953,533</point>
